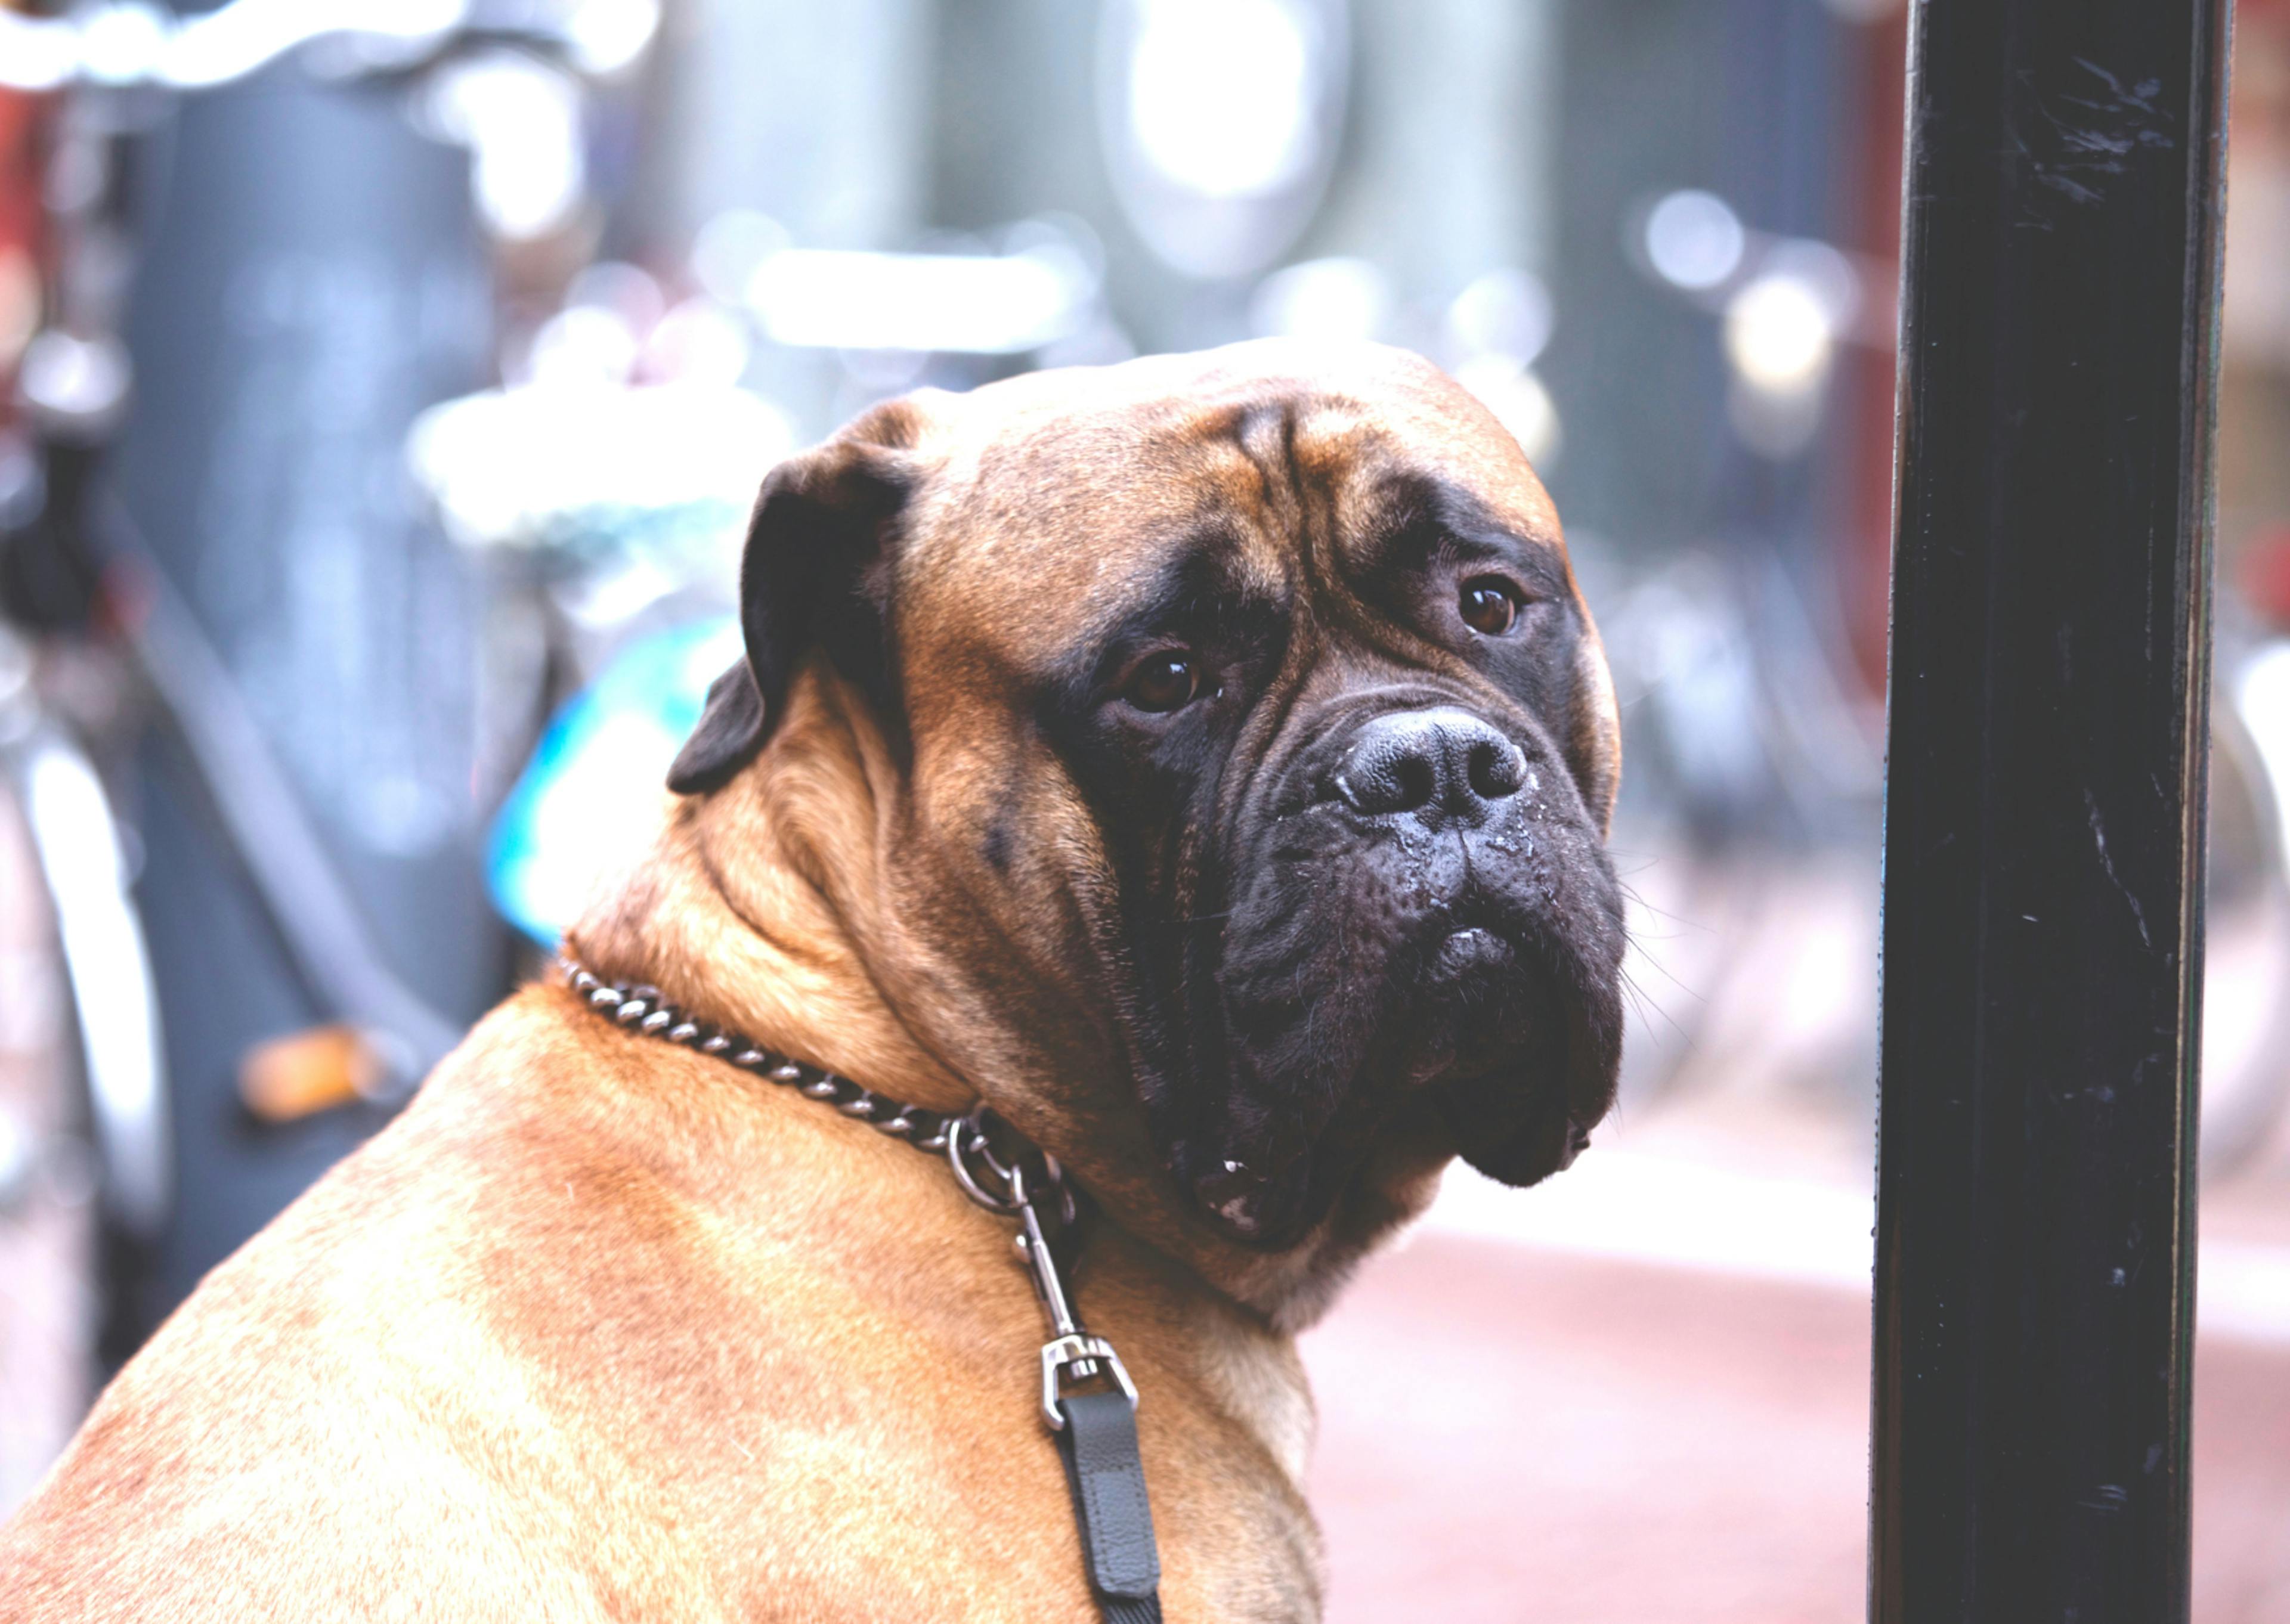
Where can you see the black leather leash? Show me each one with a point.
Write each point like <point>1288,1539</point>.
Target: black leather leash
<point>1096,1433</point>
<point>1106,1478</point>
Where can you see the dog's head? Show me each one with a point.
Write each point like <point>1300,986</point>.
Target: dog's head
<point>1252,752</point>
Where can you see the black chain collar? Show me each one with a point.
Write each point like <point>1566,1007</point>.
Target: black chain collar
<point>642,1009</point>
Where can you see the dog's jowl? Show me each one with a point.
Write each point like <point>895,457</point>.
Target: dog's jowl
<point>1200,763</point>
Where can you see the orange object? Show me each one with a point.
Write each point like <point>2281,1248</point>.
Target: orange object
<point>287,1078</point>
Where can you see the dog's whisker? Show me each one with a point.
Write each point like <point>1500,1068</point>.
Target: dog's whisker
<point>1667,974</point>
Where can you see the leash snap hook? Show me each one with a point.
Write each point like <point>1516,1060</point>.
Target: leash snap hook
<point>1071,1350</point>
<point>1085,1355</point>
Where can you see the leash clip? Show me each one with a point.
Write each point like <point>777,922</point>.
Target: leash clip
<point>1071,1350</point>
<point>1085,1355</point>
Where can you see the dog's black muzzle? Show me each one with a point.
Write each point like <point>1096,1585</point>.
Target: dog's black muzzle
<point>1429,915</point>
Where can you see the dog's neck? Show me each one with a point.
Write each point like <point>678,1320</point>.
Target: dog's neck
<point>754,904</point>
<point>761,908</point>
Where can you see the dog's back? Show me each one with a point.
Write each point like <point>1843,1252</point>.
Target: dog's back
<point>596,1331</point>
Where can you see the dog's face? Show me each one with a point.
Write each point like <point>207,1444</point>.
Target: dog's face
<point>1255,749</point>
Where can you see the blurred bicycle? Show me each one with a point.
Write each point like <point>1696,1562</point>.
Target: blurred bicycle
<point>97,645</point>
<point>1757,784</point>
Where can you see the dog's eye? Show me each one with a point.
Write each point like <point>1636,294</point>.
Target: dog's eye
<point>1163,682</point>
<point>1489,605</point>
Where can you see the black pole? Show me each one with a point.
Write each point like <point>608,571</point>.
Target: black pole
<point>2043,851</point>
<point>309,277</point>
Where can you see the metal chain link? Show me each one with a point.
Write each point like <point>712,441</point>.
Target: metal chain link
<point>642,1009</point>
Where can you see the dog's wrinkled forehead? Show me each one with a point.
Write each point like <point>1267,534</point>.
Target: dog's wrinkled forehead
<point>1062,496</point>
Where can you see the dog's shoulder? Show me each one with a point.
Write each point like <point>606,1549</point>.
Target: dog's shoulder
<point>599,1329</point>
<point>373,1393</point>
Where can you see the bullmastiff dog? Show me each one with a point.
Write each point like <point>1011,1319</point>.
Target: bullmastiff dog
<point>1203,762</point>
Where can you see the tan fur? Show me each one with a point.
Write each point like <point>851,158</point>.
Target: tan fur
<point>603,1329</point>
<point>606,1329</point>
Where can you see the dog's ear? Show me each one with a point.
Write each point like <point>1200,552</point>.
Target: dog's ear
<point>815,574</point>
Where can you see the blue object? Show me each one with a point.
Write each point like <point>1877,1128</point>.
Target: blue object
<point>590,799</point>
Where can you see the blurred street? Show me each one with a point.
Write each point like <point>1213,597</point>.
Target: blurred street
<point>1542,1428</point>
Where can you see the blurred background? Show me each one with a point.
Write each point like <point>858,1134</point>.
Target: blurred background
<point>382,387</point>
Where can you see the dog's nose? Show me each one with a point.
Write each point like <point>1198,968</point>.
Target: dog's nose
<point>1438,764</point>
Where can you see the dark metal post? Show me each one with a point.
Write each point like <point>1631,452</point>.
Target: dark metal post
<point>309,277</point>
<point>2044,854</point>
